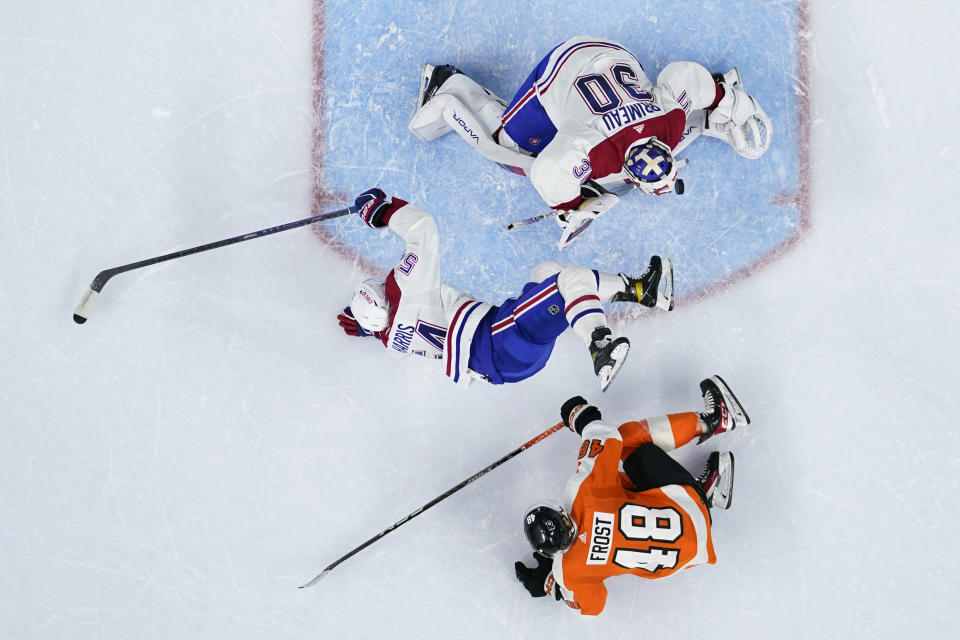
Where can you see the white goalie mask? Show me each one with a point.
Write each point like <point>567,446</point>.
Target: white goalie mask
<point>650,165</point>
<point>369,305</point>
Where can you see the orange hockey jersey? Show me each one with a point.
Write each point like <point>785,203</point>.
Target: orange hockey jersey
<point>650,534</point>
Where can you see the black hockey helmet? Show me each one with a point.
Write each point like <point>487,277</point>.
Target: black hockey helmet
<point>549,530</point>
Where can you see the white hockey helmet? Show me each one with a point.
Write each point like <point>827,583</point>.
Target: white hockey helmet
<point>369,305</point>
<point>650,165</point>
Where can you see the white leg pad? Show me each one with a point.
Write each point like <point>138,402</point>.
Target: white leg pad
<point>473,113</point>
<point>428,123</point>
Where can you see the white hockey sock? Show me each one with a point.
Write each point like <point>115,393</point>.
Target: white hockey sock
<point>578,286</point>
<point>608,285</point>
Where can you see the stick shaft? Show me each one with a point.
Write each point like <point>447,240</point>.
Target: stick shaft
<point>101,278</point>
<point>443,496</point>
<point>86,303</point>
<point>543,216</point>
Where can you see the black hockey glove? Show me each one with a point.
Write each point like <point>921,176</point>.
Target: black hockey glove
<point>577,413</point>
<point>373,208</point>
<point>591,189</point>
<point>534,580</point>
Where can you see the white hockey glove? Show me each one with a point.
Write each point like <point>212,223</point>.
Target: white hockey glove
<point>741,122</point>
<point>596,202</point>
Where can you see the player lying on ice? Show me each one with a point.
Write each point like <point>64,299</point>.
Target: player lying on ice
<point>589,112</point>
<point>412,312</point>
<point>649,520</point>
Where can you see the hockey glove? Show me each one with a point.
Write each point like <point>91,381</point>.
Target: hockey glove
<point>535,580</point>
<point>591,189</point>
<point>747,126</point>
<point>577,413</point>
<point>350,325</point>
<point>373,208</point>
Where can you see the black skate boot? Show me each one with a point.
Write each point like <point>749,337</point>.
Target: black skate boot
<point>646,289</point>
<point>608,354</point>
<point>723,411</point>
<point>716,480</point>
<point>432,79</point>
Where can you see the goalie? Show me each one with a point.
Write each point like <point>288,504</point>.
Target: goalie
<point>589,112</point>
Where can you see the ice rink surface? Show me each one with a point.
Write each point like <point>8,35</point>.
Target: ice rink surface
<point>210,439</point>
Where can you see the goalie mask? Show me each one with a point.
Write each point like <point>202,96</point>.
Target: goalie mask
<point>651,167</point>
<point>549,530</point>
<point>369,305</point>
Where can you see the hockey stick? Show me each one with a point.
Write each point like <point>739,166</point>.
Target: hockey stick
<point>543,216</point>
<point>446,494</point>
<point>83,309</point>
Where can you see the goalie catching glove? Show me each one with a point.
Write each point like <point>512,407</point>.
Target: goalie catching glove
<point>739,120</point>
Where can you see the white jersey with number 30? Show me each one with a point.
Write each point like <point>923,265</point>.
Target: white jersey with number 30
<point>601,102</point>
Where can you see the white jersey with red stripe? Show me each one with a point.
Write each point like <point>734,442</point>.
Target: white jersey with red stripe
<point>601,102</point>
<point>425,312</point>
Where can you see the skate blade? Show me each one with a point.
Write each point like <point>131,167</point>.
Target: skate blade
<point>726,467</point>
<point>739,413</point>
<point>608,373</point>
<point>665,298</point>
<point>424,81</point>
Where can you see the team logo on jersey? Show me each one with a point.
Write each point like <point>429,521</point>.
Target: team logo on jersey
<point>535,141</point>
<point>601,538</point>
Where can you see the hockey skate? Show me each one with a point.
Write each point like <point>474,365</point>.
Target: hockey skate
<point>646,289</point>
<point>723,411</point>
<point>432,79</point>
<point>608,355</point>
<point>716,480</point>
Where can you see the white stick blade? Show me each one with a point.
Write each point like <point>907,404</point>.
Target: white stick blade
<point>83,309</point>
<point>323,574</point>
